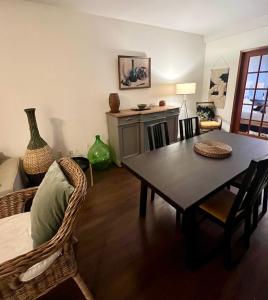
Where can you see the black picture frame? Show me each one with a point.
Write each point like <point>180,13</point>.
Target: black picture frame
<point>134,72</point>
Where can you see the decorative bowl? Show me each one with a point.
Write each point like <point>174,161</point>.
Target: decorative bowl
<point>142,106</point>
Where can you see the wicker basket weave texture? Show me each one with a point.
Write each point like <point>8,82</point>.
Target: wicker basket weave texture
<point>37,161</point>
<point>213,149</point>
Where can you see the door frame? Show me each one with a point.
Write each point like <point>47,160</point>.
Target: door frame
<point>240,78</point>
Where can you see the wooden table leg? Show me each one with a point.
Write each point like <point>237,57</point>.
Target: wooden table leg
<point>143,199</point>
<point>190,233</point>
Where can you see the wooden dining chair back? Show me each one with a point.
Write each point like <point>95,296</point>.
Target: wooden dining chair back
<point>189,128</point>
<point>255,180</point>
<point>64,266</point>
<point>158,135</point>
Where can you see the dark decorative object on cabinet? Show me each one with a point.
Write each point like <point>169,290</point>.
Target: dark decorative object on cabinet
<point>114,102</point>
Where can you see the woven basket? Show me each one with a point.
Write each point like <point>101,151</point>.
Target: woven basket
<point>37,161</point>
<point>213,149</point>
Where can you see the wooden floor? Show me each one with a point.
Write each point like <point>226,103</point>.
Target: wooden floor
<point>123,257</point>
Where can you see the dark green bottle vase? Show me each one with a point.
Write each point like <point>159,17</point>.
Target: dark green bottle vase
<point>99,155</point>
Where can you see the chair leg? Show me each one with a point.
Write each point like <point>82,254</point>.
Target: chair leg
<point>152,195</point>
<point>178,218</point>
<point>227,249</point>
<point>247,230</point>
<point>82,286</point>
<point>264,201</point>
<point>256,213</point>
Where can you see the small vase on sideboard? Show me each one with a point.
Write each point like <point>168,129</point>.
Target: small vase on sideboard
<point>114,102</point>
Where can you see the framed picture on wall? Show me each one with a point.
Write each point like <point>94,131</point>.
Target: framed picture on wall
<point>218,86</point>
<point>134,72</point>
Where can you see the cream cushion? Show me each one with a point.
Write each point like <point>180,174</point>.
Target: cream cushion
<point>15,240</point>
<point>9,176</point>
<point>210,124</point>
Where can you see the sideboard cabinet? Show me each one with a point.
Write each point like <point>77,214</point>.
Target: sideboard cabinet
<point>128,129</point>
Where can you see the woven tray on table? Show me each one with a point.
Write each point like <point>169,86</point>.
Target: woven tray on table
<point>213,149</point>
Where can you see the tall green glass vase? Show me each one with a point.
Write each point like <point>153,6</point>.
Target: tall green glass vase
<point>99,155</point>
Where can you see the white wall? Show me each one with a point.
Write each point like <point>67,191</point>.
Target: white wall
<point>228,49</point>
<point>64,63</point>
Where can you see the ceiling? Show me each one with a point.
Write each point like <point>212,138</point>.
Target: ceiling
<point>211,18</point>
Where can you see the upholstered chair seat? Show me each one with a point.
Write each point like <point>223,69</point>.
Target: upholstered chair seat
<point>210,125</point>
<point>219,205</point>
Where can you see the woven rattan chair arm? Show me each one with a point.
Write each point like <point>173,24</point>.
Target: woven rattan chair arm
<point>20,264</point>
<point>14,203</point>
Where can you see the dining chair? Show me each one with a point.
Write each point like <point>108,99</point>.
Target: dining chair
<point>36,272</point>
<point>262,200</point>
<point>229,210</point>
<point>158,137</point>
<point>189,128</point>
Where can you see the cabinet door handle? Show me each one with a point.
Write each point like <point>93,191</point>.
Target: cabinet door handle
<point>129,119</point>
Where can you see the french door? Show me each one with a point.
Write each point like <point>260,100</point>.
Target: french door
<point>250,111</point>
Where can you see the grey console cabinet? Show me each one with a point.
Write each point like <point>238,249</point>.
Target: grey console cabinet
<point>128,130</point>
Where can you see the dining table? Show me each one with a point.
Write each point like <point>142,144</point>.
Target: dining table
<point>185,179</point>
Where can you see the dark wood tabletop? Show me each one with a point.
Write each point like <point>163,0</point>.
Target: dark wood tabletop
<point>184,178</point>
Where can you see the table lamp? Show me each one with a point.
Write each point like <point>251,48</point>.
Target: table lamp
<point>185,89</point>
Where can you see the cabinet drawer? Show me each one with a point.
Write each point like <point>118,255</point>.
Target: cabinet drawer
<point>172,112</point>
<point>152,117</point>
<point>128,120</point>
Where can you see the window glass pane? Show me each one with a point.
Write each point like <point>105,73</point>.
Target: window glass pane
<point>260,97</point>
<point>263,80</point>
<point>264,129</point>
<point>254,63</point>
<point>251,80</point>
<point>244,120</point>
<point>264,63</point>
<point>243,127</point>
<point>257,113</point>
<point>248,96</point>
<point>246,111</point>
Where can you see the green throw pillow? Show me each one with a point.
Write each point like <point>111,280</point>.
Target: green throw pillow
<point>49,205</point>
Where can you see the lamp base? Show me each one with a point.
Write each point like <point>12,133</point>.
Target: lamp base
<point>184,105</point>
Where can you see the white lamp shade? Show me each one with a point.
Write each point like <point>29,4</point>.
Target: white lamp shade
<point>185,88</point>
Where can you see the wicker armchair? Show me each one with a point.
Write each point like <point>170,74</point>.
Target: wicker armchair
<point>65,266</point>
<point>208,119</point>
